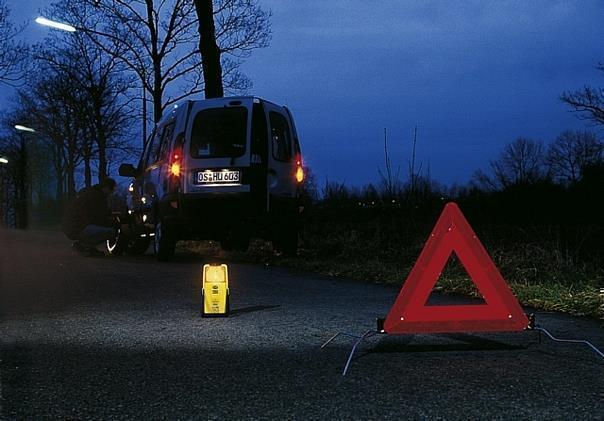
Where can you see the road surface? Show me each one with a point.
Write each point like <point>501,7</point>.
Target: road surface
<point>122,338</point>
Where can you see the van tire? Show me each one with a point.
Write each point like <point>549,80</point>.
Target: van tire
<point>138,246</point>
<point>286,241</point>
<point>164,243</point>
<point>237,243</point>
<point>117,245</point>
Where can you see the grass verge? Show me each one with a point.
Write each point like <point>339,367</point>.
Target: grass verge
<point>578,296</point>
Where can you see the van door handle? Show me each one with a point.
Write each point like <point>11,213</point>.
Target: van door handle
<point>272,178</point>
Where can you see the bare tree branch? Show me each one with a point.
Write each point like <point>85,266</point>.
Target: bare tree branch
<point>588,102</point>
<point>12,52</point>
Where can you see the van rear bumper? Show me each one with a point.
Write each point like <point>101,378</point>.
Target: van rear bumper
<point>210,216</point>
<point>211,207</point>
<point>207,216</point>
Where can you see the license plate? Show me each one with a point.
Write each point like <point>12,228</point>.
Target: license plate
<point>218,177</point>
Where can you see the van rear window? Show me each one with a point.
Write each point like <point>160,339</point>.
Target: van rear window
<point>219,132</point>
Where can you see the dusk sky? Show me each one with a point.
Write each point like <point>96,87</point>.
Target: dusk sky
<point>472,75</point>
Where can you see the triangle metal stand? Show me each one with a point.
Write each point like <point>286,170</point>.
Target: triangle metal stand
<point>359,339</point>
<point>380,331</point>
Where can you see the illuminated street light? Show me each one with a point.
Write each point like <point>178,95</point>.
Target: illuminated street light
<point>24,128</point>
<point>3,160</point>
<point>69,28</point>
<point>56,25</point>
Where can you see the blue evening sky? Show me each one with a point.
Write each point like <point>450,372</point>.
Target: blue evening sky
<point>472,75</point>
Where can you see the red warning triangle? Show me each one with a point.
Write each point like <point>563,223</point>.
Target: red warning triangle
<point>410,314</point>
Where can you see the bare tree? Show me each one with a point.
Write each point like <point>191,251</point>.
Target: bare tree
<point>572,152</point>
<point>228,31</point>
<point>66,114</point>
<point>52,105</point>
<point>12,52</point>
<point>103,87</point>
<point>389,182</point>
<point>520,162</point>
<point>158,41</point>
<point>209,50</point>
<point>588,102</point>
<point>28,170</point>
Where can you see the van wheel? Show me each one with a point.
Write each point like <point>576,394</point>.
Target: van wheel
<point>117,245</point>
<point>240,243</point>
<point>235,238</point>
<point>138,246</point>
<point>286,241</point>
<point>163,242</point>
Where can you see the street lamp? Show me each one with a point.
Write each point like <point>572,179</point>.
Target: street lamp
<point>65,27</point>
<point>3,160</point>
<point>54,24</point>
<point>24,128</point>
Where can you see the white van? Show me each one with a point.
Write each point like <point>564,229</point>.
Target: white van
<point>225,169</point>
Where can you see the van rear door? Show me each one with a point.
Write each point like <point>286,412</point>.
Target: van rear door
<point>218,147</point>
<point>281,167</point>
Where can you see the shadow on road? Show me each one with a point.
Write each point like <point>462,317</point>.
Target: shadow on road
<point>442,343</point>
<point>251,309</point>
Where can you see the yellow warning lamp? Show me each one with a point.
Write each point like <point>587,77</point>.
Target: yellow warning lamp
<point>215,291</point>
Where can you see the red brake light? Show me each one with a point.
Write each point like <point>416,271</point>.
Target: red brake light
<point>175,163</point>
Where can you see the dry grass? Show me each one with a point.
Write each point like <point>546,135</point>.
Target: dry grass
<point>558,287</point>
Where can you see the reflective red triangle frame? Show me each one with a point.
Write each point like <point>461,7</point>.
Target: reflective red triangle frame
<point>410,314</point>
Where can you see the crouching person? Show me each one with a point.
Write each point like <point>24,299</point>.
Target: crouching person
<point>88,219</point>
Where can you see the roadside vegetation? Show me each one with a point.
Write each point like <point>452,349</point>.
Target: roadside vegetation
<point>540,271</point>
<point>543,232</point>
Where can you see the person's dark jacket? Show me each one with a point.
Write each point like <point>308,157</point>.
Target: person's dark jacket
<point>88,208</point>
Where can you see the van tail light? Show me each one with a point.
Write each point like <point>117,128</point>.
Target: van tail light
<point>299,169</point>
<point>175,162</point>
<point>175,168</point>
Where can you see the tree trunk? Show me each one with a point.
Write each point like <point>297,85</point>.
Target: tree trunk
<point>210,53</point>
<point>23,186</point>
<point>71,187</point>
<point>58,167</point>
<point>101,142</point>
<point>70,169</point>
<point>87,172</point>
<point>157,99</point>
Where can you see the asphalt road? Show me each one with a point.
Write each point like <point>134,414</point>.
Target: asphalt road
<point>122,338</point>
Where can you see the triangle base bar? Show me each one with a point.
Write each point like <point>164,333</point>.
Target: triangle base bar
<point>461,326</point>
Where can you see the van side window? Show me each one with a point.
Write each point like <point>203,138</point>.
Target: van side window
<point>280,137</point>
<point>149,148</point>
<point>166,141</point>
<point>153,148</point>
